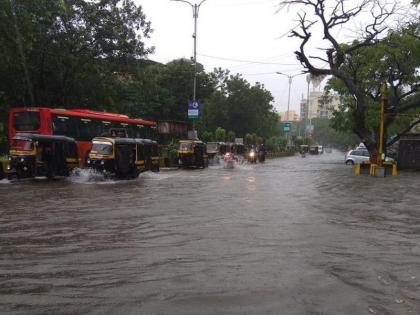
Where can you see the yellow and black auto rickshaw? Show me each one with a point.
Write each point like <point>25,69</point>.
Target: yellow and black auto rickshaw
<point>123,157</point>
<point>192,153</point>
<point>33,155</point>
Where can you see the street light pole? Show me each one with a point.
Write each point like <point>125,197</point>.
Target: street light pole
<point>196,8</point>
<point>290,77</point>
<point>308,80</point>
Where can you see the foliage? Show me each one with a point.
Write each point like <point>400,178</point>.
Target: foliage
<point>360,67</point>
<point>92,54</point>
<point>231,136</point>
<point>220,134</point>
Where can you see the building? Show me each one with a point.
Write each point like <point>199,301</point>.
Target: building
<point>290,115</point>
<point>319,106</point>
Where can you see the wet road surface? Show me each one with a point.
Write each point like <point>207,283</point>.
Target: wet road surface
<point>292,236</point>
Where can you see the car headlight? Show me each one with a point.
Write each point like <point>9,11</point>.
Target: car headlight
<point>22,159</point>
<point>88,161</point>
<point>252,154</point>
<point>10,158</point>
<point>102,162</point>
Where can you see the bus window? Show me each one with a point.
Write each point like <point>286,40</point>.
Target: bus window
<point>88,129</point>
<point>61,125</point>
<point>26,121</point>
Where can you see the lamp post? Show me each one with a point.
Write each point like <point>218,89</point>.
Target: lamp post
<point>290,77</point>
<point>308,80</point>
<point>196,8</point>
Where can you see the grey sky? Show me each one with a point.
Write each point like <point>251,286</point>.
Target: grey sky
<point>247,30</point>
<point>232,34</point>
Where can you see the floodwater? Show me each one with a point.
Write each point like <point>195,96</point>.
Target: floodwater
<point>291,236</point>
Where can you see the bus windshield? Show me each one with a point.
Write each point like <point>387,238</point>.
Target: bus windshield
<point>102,148</point>
<point>22,145</point>
<point>26,121</point>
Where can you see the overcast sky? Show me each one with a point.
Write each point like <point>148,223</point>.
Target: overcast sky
<point>245,36</point>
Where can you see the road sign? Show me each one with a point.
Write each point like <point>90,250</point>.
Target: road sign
<point>287,126</point>
<point>193,109</point>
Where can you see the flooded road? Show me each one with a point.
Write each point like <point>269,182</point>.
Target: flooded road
<point>291,236</point>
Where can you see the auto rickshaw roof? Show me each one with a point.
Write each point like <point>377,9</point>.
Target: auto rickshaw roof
<point>125,140</point>
<point>191,141</point>
<point>42,138</point>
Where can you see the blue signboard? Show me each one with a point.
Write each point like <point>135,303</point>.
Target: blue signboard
<point>193,109</point>
<point>287,126</point>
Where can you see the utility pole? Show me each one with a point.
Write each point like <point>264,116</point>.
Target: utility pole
<point>196,8</point>
<point>308,80</point>
<point>384,98</point>
<point>290,77</point>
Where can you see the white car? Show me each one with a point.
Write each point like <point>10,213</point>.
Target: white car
<point>359,156</point>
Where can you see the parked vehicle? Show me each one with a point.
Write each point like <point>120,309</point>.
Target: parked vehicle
<point>192,153</point>
<point>33,155</point>
<point>123,157</point>
<point>359,156</point>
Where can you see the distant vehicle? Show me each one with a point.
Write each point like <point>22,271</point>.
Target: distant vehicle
<point>359,156</point>
<point>314,149</point>
<point>304,148</point>
<point>252,156</point>
<point>33,155</point>
<point>213,151</point>
<point>320,149</point>
<point>192,153</point>
<point>229,160</point>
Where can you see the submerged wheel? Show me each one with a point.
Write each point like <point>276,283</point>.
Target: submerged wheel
<point>349,162</point>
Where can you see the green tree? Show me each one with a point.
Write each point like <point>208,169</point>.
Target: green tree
<point>220,134</point>
<point>360,66</point>
<point>231,136</point>
<point>68,53</point>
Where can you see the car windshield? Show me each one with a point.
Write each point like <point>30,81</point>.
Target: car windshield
<point>100,147</point>
<point>22,145</point>
<point>185,146</point>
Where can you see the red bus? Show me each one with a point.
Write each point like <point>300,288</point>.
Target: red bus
<point>81,124</point>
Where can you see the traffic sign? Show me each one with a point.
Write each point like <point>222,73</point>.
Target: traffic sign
<point>193,109</point>
<point>287,126</point>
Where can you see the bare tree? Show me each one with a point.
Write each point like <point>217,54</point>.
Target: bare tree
<point>336,60</point>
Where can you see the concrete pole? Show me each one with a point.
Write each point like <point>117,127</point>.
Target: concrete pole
<point>384,97</point>
<point>196,9</point>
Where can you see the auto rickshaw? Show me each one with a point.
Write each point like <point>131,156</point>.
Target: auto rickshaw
<point>123,157</point>
<point>33,155</point>
<point>192,153</point>
<point>151,155</point>
<point>314,149</point>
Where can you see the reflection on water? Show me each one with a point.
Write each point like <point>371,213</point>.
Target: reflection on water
<point>291,236</point>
